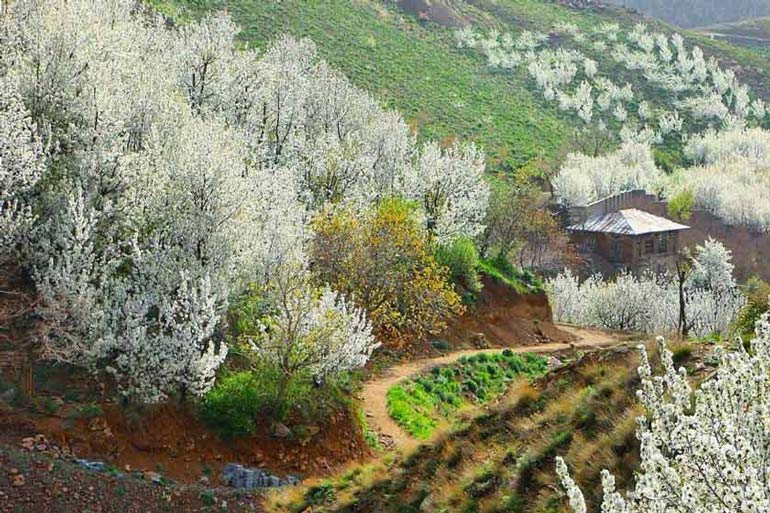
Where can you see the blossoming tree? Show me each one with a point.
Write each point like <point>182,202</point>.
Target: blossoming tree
<point>703,450</point>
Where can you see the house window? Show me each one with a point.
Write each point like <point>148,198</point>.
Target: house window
<point>662,243</point>
<point>638,248</point>
<point>649,246</point>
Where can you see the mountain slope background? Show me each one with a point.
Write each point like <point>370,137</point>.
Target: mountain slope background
<point>698,13</point>
<point>405,53</point>
<point>754,32</point>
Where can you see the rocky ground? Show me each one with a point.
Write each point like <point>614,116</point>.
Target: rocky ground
<point>33,481</point>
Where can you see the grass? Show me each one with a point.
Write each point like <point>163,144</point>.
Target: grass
<point>419,405</point>
<point>502,460</point>
<point>522,281</point>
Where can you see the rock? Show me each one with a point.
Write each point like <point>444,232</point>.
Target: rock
<point>281,431</point>
<point>94,466</point>
<point>17,480</point>
<point>152,477</point>
<point>238,476</point>
<point>480,341</point>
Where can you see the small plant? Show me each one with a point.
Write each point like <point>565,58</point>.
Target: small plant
<point>50,406</point>
<point>208,498</point>
<point>85,411</point>
<point>231,406</point>
<point>320,494</point>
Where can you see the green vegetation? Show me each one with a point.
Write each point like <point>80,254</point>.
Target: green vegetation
<point>501,270</point>
<point>757,292</point>
<point>462,259</point>
<point>680,206</point>
<point>232,405</point>
<point>419,404</point>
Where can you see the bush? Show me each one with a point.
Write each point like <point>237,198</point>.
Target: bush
<point>462,259</point>
<point>502,270</point>
<point>232,405</point>
<point>680,206</point>
<point>757,292</point>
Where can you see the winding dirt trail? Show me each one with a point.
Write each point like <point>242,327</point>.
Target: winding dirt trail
<point>374,394</point>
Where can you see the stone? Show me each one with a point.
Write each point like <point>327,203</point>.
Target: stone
<point>153,477</point>
<point>17,480</point>
<point>94,466</point>
<point>238,476</point>
<point>480,341</point>
<point>281,431</point>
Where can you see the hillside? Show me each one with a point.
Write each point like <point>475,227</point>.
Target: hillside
<point>696,13</point>
<point>407,55</point>
<point>502,460</point>
<point>753,33</point>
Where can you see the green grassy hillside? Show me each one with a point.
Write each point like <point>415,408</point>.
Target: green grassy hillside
<point>407,56</point>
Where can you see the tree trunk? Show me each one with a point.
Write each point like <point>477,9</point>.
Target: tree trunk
<point>280,400</point>
<point>683,328</point>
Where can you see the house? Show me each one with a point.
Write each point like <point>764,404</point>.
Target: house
<point>616,234</point>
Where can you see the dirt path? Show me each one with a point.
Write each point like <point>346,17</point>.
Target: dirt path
<point>374,394</point>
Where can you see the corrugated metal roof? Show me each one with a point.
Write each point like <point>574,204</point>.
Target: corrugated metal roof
<point>628,222</point>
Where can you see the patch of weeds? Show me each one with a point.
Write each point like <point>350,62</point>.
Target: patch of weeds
<point>680,353</point>
<point>208,498</point>
<point>418,404</point>
<point>320,494</point>
<point>85,411</point>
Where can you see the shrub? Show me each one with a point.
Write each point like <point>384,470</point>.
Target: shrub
<point>232,405</point>
<point>680,205</point>
<point>462,259</point>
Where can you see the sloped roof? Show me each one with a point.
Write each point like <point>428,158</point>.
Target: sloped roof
<point>628,222</point>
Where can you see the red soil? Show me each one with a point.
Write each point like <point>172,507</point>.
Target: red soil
<point>507,318</point>
<point>172,441</point>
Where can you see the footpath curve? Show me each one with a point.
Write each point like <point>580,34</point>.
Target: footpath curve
<point>374,393</point>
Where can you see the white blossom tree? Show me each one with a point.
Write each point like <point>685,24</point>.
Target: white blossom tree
<point>178,169</point>
<point>450,185</point>
<point>311,331</point>
<point>21,166</point>
<point>647,303</point>
<point>583,179</point>
<point>702,450</point>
